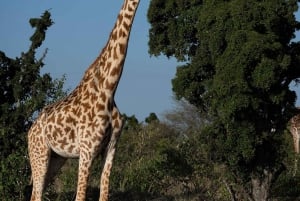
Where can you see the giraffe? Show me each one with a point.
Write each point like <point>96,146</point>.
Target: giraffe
<point>294,127</point>
<point>86,122</point>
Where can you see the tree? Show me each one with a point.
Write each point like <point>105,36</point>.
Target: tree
<point>130,122</point>
<point>185,118</point>
<point>24,92</point>
<point>240,62</point>
<point>151,118</point>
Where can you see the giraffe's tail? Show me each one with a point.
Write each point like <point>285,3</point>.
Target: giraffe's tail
<point>31,180</point>
<point>28,189</point>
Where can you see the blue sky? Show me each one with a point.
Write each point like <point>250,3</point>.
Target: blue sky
<point>80,31</point>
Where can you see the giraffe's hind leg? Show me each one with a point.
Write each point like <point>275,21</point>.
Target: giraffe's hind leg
<point>39,154</point>
<point>110,153</point>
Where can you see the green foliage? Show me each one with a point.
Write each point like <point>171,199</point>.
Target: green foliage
<point>240,62</point>
<point>286,187</point>
<point>168,159</point>
<point>24,92</point>
<point>130,122</point>
<point>139,168</point>
<point>173,31</point>
<point>151,118</point>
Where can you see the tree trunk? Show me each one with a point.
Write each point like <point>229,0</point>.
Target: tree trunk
<point>261,186</point>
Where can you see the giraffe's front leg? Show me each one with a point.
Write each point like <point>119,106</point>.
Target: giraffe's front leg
<point>85,162</point>
<point>39,154</point>
<point>117,125</point>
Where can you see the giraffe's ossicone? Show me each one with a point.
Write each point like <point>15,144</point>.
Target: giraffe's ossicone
<point>87,121</point>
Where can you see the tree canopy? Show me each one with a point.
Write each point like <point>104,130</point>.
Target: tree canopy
<point>240,60</point>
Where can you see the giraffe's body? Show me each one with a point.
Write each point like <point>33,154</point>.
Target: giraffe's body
<point>295,131</point>
<point>294,128</point>
<point>87,121</point>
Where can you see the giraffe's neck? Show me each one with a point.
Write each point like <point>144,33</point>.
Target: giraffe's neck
<point>105,72</point>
